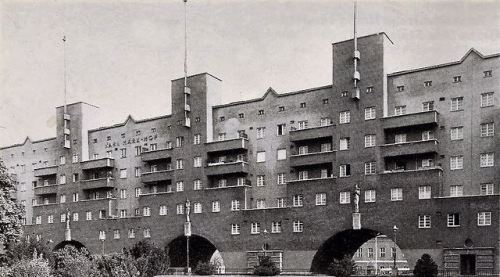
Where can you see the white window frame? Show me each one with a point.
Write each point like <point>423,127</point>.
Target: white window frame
<point>281,154</point>
<point>215,206</point>
<point>396,194</point>
<point>298,200</point>
<point>298,226</point>
<point>345,197</point>
<point>370,113</point>
<point>424,222</point>
<point>424,192</point>
<point>487,189</point>
<point>456,103</point>
<point>320,199</point>
<point>261,156</point>
<point>487,129</point>
<point>456,162</point>
<point>457,133</point>
<point>370,196</point>
<point>487,159</point>
<point>344,117</point>
<point>484,219</point>
<point>456,191</point>
<point>370,140</point>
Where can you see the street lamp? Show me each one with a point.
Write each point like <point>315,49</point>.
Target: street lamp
<point>264,244</point>
<point>395,229</point>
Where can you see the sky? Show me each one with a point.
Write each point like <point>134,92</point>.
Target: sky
<point>122,55</point>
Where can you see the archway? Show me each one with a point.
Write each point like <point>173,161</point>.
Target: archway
<point>78,245</point>
<point>200,250</point>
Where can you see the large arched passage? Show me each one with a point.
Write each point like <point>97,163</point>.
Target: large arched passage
<point>78,245</point>
<point>200,250</point>
<point>339,245</point>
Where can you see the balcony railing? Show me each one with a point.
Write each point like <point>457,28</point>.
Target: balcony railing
<point>97,183</point>
<point>46,171</point>
<point>157,176</point>
<point>226,168</point>
<point>227,145</point>
<point>413,119</point>
<point>47,189</point>
<point>311,181</point>
<point>155,155</point>
<point>98,163</point>
<point>410,148</point>
<point>312,133</point>
<point>312,158</point>
<point>424,175</point>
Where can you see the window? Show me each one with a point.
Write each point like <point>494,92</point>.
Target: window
<point>179,142</point>
<point>116,234</point>
<point>197,184</point>
<point>298,200</point>
<point>325,101</point>
<point>298,226</point>
<point>382,252</point>
<point>400,138</point>
<point>241,115</point>
<point>215,206</point>
<point>63,217</point>
<point>370,196</point>
<point>370,168</point>
<point>260,180</point>
<point>62,179</point>
<point>303,175</point>
<point>261,156</point>
<point>369,89</point>
<point>241,181</point>
<point>179,164</point>
<point>50,219</point>
<point>222,183</point>
<point>261,132</point>
<point>276,227</point>
<point>109,154</point>
<point>88,215</point>
<point>281,202</point>
<point>123,152</point>
<point>487,160</point>
<point>235,205</point>
<point>428,106</point>
<point>399,110</point>
<point>370,252</point>
<point>487,99</point>
<point>303,105</point>
<point>261,204</point>
<point>168,145</point>
<point>345,117</point>
<point>281,154</point>
<point>484,219</point>
<point>457,133</point>
<point>370,113</point>
<point>302,125</point>
<point>345,197</point>
<point>324,173</point>
<point>359,253</point>
<point>400,88</point>
<point>427,135</point>
<point>75,197</point>
<point>456,191</point>
<point>163,210</point>
<point>370,141</point>
<point>254,228</point>
<point>75,158</point>
<point>131,233</point>
<point>179,186</point>
<point>242,134</point>
<point>261,112</point>
<point>197,162</point>
<point>123,194</point>
<point>180,208</point>
<point>62,198</point>
<point>457,79</point>
<point>221,136</point>
<point>453,220</point>
<point>197,208</point>
<point>303,150</point>
<point>427,83</point>
<point>280,129</point>
<point>487,73</point>
<point>62,160</point>
<point>396,194</point>
<point>281,179</point>
<point>424,221</point>
<point>137,172</point>
<point>344,143</point>
<point>222,118</point>
<point>326,147</point>
<point>345,170</point>
<point>320,199</point>
<point>424,192</point>
<point>38,220</point>
<point>486,189</point>
<point>153,147</point>
<point>487,129</point>
<point>344,93</point>
<point>281,109</point>
<point>235,229</point>
<point>325,121</point>
<point>137,192</point>
<point>457,103</point>
<point>123,213</point>
<point>123,173</point>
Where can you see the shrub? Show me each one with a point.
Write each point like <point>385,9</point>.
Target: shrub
<point>149,259</point>
<point>70,262</point>
<point>4,271</point>
<point>266,267</point>
<point>116,265</point>
<point>205,268</point>
<point>425,267</point>
<point>24,250</point>
<point>344,267</point>
<point>37,266</point>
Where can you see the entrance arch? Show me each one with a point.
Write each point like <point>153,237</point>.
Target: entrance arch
<point>78,245</point>
<point>200,250</point>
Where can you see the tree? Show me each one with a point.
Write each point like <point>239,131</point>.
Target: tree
<point>24,249</point>
<point>116,265</point>
<point>425,267</point>
<point>344,267</point>
<point>11,213</point>
<point>205,268</point>
<point>149,259</point>
<point>70,262</point>
<point>36,266</point>
<point>266,267</point>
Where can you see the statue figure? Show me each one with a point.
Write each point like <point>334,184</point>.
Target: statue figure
<point>357,193</point>
<point>188,210</point>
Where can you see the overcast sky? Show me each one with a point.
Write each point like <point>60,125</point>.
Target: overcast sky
<point>121,55</point>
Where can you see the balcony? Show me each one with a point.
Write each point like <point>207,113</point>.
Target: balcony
<point>410,148</point>
<point>408,120</point>
<point>430,175</point>
<point>100,183</point>
<point>312,181</point>
<point>227,145</point>
<point>98,163</point>
<point>49,189</point>
<point>157,176</point>
<point>312,133</point>
<point>155,155</point>
<point>226,168</point>
<point>312,158</point>
<point>46,171</point>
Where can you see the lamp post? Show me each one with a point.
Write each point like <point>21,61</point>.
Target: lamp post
<point>264,244</point>
<point>395,229</point>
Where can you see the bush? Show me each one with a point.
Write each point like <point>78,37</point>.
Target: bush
<point>149,259</point>
<point>344,267</point>
<point>425,267</point>
<point>4,271</point>
<point>25,249</point>
<point>205,268</point>
<point>116,265</point>
<point>36,267</point>
<point>70,262</point>
<point>266,267</point>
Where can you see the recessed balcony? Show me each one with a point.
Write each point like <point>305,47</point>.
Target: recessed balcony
<point>98,163</point>
<point>312,158</point>
<point>101,183</point>
<point>312,133</point>
<point>48,189</point>
<point>425,175</point>
<point>410,148</point>
<point>155,155</point>
<point>226,168</point>
<point>46,171</point>
<point>413,119</point>
<point>157,176</point>
<point>227,145</point>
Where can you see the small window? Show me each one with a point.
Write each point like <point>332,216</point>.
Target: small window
<point>298,226</point>
<point>457,79</point>
<point>281,109</point>
<point>487,159</point>
<point>325,101</point>
<point>261,112</point>
<point>222,118</point>
<point>261,180</point>
<point>298,200</point>
<point>369,89</point>
<point>344,93</point>
<point>400,88</point>
<point>241,115</point>
<point>123,173</point>
<point>303,105</point>
<point>399,110</point>
<point>487,73</point>
<point>427,83</point>
<point>280,129</point>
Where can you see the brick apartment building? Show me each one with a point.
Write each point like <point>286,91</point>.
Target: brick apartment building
<point>281,170</point>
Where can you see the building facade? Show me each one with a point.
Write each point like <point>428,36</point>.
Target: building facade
<point>277,175</point>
